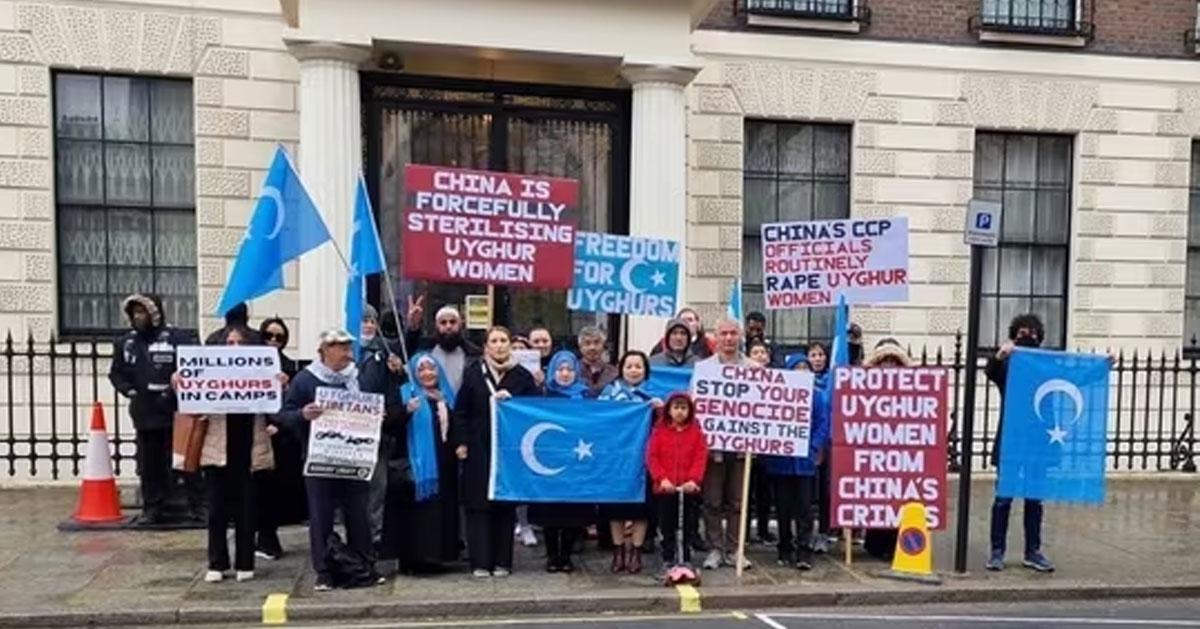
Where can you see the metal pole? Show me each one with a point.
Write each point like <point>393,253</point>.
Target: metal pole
<point>968,412</point>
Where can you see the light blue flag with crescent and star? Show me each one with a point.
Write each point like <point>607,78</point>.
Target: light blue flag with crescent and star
<point>734,310</point>
<point>840,350</point>
<point>1053,441</point>
<point>564,450</point>
<point>664,381</point>
<point>285,225</point>
<point>366,258</point>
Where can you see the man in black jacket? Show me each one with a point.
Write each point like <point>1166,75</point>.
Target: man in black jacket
<point>448,345</point>
<point>142,364</point>
<point>1024,331</point>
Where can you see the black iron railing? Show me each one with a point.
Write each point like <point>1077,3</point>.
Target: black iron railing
<point>1035,17</point>
<point>49,388</point>
<point>844,10</point>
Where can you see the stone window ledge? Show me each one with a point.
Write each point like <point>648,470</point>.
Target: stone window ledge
<point>1035,39</point>
<point>805,23</point>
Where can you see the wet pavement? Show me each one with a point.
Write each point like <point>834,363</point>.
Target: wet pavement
<point>1146,536</point>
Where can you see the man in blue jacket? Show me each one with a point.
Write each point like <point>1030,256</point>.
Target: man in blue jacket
<point>334,368</point>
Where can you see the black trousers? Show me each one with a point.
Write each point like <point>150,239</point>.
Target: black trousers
<point>154,469</point>
<point>490,536</point>
<point>668,521</point>
<point>267,508</point>
<point>231,496</point>
<point>559,543</point>
<point>325,497</point>
<point>823,492</point>
<point>793,505</point>
<point>760,496</point>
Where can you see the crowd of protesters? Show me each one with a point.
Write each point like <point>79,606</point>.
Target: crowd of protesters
<point>427,507</point>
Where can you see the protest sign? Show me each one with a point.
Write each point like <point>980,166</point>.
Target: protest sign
<point>530,359</point>
<point>480,227</point>
<point>344,441</point>
<point>228,379</point>
<point>889,445</point>
<point>750,409</point>
<point>813,263</point>
<point>625,275</point>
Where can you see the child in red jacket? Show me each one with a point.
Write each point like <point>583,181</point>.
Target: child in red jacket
<point>675,457</point>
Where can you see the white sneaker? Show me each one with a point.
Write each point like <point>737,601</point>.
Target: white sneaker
<point>481,574</point>
<point>713,560</point>
<point>214,576</point>
<point>528,537</point>
<point>244,575</point>
<point>729,561</point>
<point>501,573</point>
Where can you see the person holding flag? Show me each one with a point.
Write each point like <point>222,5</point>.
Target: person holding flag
<point>494,378</point>
<point>561,521</point>
<point>627,549</point>
<point>284,226</point>
<point>823,361</point>
<point>1024,331</point>
<point>380,370</point>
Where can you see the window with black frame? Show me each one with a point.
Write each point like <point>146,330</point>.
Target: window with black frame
<point>1030,15</point>
<point>125,191</point>
<point>1030,175</point>
<point>792,172</point>
<point>1191,310</point>
<point>803,8</point>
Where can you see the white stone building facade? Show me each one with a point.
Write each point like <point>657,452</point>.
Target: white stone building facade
<point>675,111</point>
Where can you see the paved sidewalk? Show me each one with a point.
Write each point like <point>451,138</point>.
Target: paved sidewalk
<point>1144,541</point>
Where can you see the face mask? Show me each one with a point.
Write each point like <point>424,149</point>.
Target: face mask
<point>1026,341</point>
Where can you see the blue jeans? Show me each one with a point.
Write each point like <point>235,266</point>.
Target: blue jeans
<point>1033,525</point>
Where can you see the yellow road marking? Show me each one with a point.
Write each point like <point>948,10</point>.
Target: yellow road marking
<point>689,599</point>
<point>740,615</point>
<point>274,609</point>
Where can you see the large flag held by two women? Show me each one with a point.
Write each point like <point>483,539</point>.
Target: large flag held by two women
<point>569,450</point>
<point>366,258</point>
<point>285,225</point>
<point>1054,438</point>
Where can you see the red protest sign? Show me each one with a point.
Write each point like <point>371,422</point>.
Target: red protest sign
<point>480,227</point>
<point>889,445</point>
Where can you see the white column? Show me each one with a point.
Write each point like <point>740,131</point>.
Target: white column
<point>658,172</point>
<point>330,158</point>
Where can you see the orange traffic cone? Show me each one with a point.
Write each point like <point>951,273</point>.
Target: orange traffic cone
<point>99,502</point>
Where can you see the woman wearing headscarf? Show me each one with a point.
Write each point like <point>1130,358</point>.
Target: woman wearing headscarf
<point>489,523</point>
<point>421,518</point>
<point>561,522</point>
<point>627,549</point>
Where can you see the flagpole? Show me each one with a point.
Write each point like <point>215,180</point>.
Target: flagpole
<point>391,293</point>
<point>744,516</point>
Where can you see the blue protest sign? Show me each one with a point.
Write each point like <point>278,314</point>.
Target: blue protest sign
<point>563,450</point>
<point>625,275</point>
<point>1054,437</point>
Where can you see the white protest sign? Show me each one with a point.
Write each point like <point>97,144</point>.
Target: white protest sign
<point>228,379</point>
<point>530,359</point>
<point>814,263</point>
<point>344,441</point>
<point>750,409</point>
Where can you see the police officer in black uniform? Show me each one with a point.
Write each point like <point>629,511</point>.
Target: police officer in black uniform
<point>142,364</point>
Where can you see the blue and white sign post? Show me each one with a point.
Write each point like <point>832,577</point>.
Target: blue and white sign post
<point>625,275</point>
<point>981,230</point>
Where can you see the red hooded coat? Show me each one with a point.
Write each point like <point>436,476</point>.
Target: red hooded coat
<point>676,454</point>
